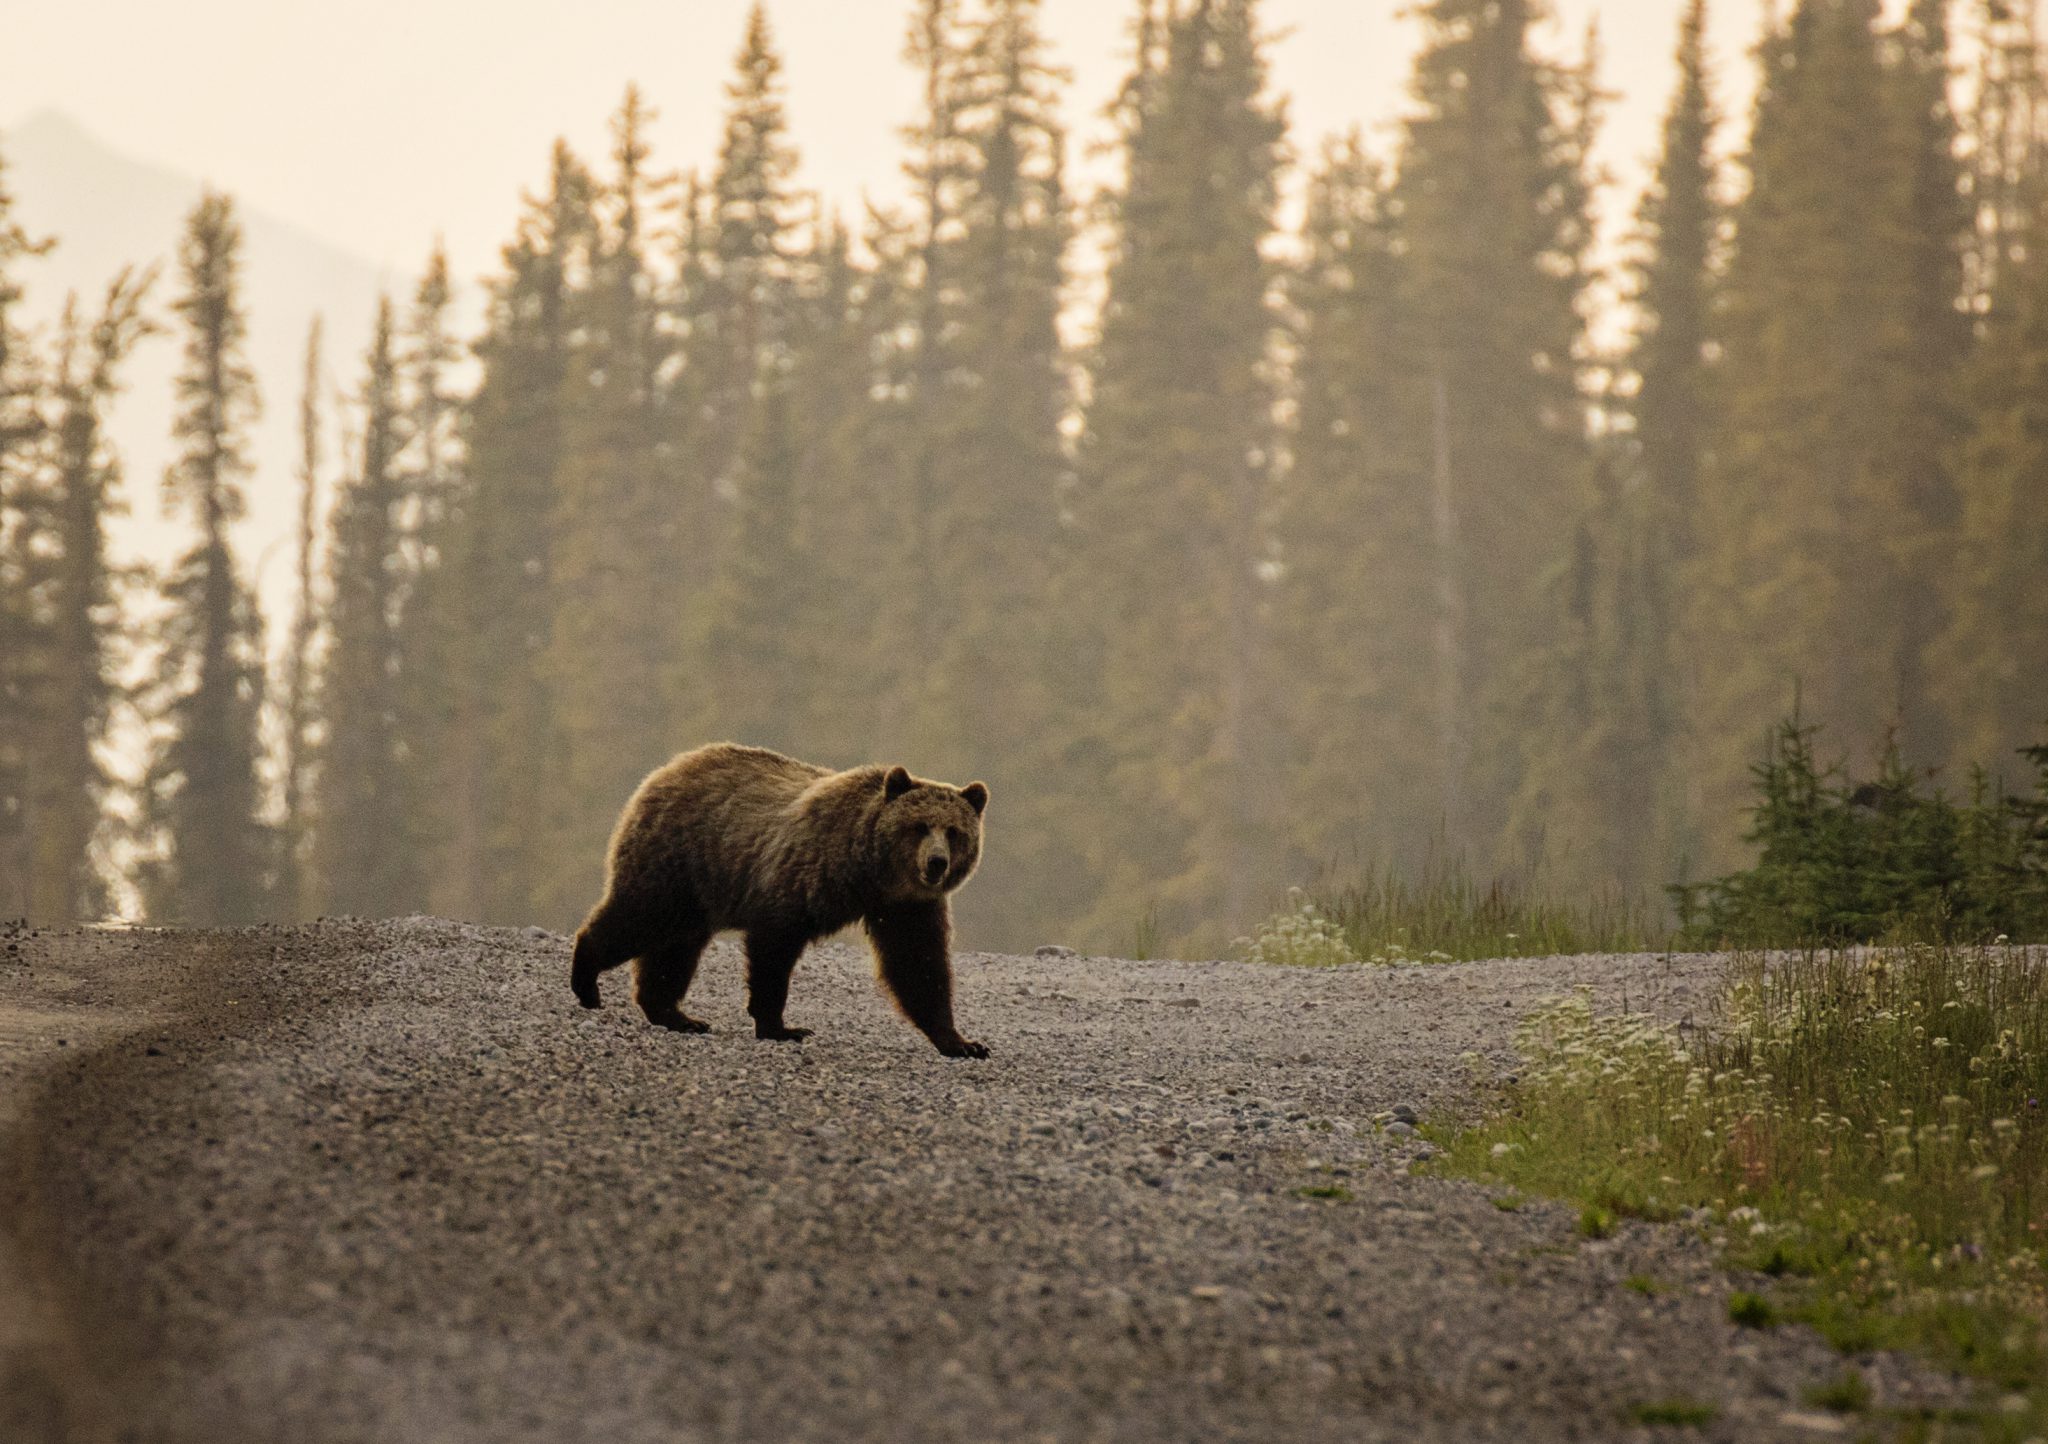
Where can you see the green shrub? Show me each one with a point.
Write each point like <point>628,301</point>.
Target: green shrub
<point>1845,863</point>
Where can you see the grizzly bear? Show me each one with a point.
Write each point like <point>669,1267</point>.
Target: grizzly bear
<point>787,853</point>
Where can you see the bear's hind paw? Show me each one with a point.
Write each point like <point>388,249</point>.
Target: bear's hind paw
<point>779,1034</point>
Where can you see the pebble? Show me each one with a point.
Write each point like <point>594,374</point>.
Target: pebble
<point>1053,951</point>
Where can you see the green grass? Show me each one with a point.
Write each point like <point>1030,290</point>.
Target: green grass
<point>1865,1127</point>
<point>1447,914</point>
<point>1334,1192</point>
<point>1752,1311</point>
<point>1681,1413</point>
<point>1849,1394</point>
<point>1146,937</point>
<point>1647,1286</point>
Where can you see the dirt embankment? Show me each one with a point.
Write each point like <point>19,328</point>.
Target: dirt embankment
<point>386,1181</point>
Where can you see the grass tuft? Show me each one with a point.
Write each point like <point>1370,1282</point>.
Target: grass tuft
<point>1682,1413</point>
<point>1752,1311</point>
<point>1334,1192</point>
<point>1446,914</point>
<point>1849,1394</point>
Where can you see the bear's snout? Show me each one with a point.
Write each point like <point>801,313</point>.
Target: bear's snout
<point>935,868</point>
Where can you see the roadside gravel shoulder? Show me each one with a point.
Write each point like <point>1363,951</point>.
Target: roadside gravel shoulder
<point>385,1180</point>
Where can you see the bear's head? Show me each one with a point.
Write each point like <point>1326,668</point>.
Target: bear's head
<point>930,834</point>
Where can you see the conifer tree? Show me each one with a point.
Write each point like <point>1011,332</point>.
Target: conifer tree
<point>1937,235</point>
<point>296,825</point>
<point>2008,122</point>
<point>739,308</point>
<point>438,752</point>
<point>82,603</point>
<point>1679,222</point>
<point>505,548</point>
<point>21,649</point>
<point>841,498</point>
<point>937,167</point>
<point>365,866</point>
<point>615,647</point>
<point>1000,667</point>
<point>1356,632</point>
<point>757,646</point>
<point>1655,533</point>
<point>1990,658</point>
<point>211,856</point>
<point>1176,458</point>
<point>1492,208</point>
<point>1834,333</point>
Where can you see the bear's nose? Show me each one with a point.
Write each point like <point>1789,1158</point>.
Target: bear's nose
<point>934,868</point>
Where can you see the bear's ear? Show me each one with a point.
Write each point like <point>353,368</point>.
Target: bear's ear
<point>976,794</point>
<point>896,784</point>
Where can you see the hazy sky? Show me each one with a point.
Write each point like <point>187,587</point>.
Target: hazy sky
<point>380,123</point>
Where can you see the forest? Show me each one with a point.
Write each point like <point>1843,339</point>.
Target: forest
<point>1316,527</point>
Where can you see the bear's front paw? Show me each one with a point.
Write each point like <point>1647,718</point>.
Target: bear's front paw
<point>679,1022</point>
<point>584,985</point>
<point>780,1034</point>
<point>959,1047</point>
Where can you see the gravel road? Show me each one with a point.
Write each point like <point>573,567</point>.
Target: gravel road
<point>385,1181</point>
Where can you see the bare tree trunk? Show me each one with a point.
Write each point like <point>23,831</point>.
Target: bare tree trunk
<point>1453,742</point>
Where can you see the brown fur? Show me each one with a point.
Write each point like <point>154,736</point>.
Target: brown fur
<point>787,853</point>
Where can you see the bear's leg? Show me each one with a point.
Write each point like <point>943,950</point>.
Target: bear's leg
<point>911,942</point>
<point>662,975</point>
<point>771,958</point>
<point>607,938</point>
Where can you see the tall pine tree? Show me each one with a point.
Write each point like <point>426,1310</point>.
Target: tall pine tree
<point>365,865</point>
<point>1841,333</point>
<point>614,652</point>
<point>1176,461</point>
<point>21,644</point>
<point>504,549</point>
<point>211,852</point>
<point>737,310</point>
<point>1990,659</point>
<point>1491,204</point>
<point>438,753</point>
<point>297,820</point>
<point>82,605</point>
<point>1357,629</point>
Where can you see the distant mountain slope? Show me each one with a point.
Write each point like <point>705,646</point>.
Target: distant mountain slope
<point>107,210</point>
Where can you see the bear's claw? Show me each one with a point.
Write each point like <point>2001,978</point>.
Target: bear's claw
<point>958,1047</point>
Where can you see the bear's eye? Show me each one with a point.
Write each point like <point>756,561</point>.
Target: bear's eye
<point>956,838</point>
